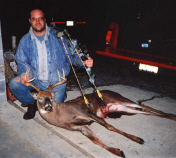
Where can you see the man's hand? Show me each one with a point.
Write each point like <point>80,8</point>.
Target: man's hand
<point>88,62</point>
<point>23,80</point>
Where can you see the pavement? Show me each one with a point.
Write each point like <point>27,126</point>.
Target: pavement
<point>36,138</point>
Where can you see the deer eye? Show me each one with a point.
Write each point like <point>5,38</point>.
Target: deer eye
<point>40,98</point>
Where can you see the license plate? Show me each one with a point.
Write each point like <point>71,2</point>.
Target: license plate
<point>149,68</point>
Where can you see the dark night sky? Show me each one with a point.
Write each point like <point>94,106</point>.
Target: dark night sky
<point>157,18</point>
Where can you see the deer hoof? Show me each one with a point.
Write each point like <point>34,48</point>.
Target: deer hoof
<point>122,154</point>
<point>116,151</point>
<point>141,141</point>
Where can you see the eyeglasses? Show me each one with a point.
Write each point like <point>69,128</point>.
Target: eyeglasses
<point>39,19</point>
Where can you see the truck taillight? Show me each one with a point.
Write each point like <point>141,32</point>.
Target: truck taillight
<point>108,37</point>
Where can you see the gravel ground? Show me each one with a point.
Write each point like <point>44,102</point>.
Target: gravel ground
<point>111,71</point>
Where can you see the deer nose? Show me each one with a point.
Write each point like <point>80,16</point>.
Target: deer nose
<point>48,107</point>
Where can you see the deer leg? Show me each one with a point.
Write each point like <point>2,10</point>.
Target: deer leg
<point>149,111</point>
<point>132,108</point>
<point>159,113</point>
<point>111,128</point>
<point>129,108</point>
<point>126,108</point>
<point>89,134</point>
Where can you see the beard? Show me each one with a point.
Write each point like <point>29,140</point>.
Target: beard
<point>39,29</point>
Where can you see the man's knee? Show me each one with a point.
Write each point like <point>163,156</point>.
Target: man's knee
<point>14,83</point>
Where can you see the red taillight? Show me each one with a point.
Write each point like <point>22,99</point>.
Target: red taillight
<point>108,37</point>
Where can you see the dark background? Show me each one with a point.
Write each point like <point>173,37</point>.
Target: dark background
<point>139,20</point>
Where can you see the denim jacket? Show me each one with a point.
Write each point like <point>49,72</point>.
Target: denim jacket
<point>27,56</point>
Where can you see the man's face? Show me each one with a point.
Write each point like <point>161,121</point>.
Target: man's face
<point>37,21</point>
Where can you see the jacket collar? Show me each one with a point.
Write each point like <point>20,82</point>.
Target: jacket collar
<point>33,37</point>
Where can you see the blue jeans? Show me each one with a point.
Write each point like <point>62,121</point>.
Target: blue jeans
<point>22,92</point>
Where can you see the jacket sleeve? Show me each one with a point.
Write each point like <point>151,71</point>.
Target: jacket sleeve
<point>22,60</point>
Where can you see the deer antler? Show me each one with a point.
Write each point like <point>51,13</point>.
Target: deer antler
<point>26,81</point>
<point>60,82</point>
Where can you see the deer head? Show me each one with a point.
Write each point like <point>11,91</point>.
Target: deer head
<point>44,98</point>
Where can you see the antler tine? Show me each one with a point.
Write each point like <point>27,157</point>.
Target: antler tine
<point>26,81</point>
<point>60,82</point>
<point>60,76</point>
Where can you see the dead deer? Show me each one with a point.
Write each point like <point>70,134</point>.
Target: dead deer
<point>74,115</point>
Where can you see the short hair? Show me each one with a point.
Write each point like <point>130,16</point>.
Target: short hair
<point>36,8</point>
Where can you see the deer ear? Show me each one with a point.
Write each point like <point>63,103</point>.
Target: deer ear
<point>53,94</point>
<point>34,95</point>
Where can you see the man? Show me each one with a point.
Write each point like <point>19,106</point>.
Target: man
<point>44,53</point>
